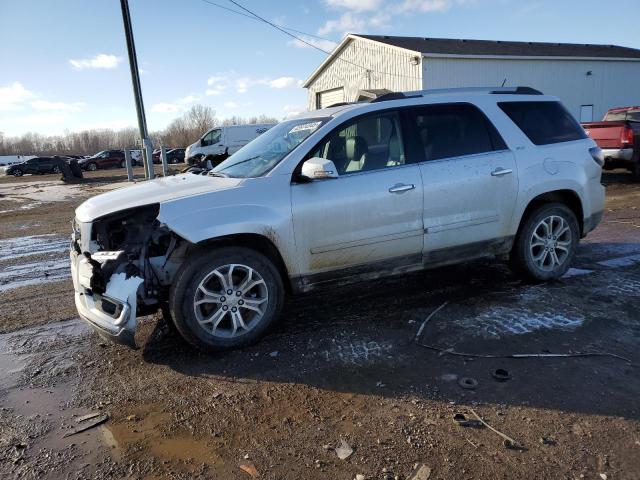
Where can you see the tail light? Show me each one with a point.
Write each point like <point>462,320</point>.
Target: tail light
<point>627,135</point>
<point>597,155</point>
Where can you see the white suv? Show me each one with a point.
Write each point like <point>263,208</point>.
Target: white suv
<point>354,192</point>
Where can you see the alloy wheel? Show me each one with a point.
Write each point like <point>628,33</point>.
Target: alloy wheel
<point>230,301</point>
<point>550,243</point>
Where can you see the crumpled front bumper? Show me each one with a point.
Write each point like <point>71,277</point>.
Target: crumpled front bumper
<point>112,318</point>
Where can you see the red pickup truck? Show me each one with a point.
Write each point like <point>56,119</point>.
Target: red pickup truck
<point>618,135</point>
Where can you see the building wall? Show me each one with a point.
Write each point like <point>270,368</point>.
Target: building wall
<point>611,83</point>
<point>389,68</point>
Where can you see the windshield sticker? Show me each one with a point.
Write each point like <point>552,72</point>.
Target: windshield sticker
<point>305,126</point>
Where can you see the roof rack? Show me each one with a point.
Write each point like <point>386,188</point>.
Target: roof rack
<point>437,91</point>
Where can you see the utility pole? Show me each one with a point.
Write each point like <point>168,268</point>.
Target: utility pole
<point>147,147</point>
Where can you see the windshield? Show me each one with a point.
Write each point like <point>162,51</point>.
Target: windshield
<point>265,152</point>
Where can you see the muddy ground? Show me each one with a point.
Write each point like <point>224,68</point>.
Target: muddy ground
<point>341,365</point>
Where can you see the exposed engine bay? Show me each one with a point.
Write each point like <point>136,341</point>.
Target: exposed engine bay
<point>126,266</point>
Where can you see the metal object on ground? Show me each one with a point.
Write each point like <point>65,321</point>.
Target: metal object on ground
<point>163,158</point>
<point>468,383</point>
<point>127,161</point>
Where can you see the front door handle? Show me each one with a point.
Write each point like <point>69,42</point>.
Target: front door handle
<point>401,187</point>
<point>498,172</point>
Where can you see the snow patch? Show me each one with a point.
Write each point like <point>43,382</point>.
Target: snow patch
<point>627,261</point>
<point>35,273</point>
<point>504,321</point>
<point>576,272</point>
<point>49,191</point>
<point>32,245</point>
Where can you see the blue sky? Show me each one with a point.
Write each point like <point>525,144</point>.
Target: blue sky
<point>64,63</point>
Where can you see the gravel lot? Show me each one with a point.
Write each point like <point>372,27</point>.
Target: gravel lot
<point>341,366</point>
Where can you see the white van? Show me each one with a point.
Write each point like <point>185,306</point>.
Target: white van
<point>220,142</point>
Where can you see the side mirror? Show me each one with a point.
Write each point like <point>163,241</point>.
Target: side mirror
<point>319,169</point>
<point>202,142</point>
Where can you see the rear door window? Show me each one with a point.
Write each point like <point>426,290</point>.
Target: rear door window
<point>453,130</point>
<point>544,123</point>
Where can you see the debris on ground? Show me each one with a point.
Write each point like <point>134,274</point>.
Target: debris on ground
<point>94,422</point>
<point>420,472</point>
<point>88,416</point>
<point>468,383</point>
<point>501,375</point>
<point>461,420</point>
<point>344,451</point>
<point>508,441</point>
<point>250,469</point>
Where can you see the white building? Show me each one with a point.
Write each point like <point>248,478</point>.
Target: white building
<point>589,79</point>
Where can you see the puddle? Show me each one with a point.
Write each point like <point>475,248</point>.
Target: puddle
<point>15,276</point>
<point>19,247</point>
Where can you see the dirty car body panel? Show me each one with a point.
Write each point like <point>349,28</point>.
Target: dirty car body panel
<point>396,202</point>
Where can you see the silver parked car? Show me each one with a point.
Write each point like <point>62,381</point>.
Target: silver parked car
<point>359,191</point>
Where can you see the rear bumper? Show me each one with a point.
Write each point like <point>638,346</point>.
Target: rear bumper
<point>592,222</point>
<point>617,154</point>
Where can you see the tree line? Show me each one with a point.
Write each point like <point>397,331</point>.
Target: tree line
<point>181,132</point>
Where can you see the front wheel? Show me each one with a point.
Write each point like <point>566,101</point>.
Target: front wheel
<point>56,169</point>
<point>92,167</point>
<point>547,243</point>
<point>17,172</point>
<point>123,164</point>
<point>226,298</point>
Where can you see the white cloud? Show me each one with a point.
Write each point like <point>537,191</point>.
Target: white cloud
<point>101,60</point>
<point>165,108</point>
<point>188,99</point>
<point>57,106</point>
<point>355,5</point>
<point>212,91</point>
<point>13,96</point>
<point>231,105</point>
<point>345,24</point>
<point>427,6</point>
<point>283,82</point>
<point>293,110</point>
<point>326,45</point>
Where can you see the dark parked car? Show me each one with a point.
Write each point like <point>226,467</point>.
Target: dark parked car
<point>175,155</point>
<point>35,165</point>
<point>104,159</point>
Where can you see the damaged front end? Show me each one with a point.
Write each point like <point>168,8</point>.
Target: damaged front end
<point>122,267</point>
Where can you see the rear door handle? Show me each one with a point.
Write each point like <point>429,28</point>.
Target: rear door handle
<point>498,172</point>
<point>401,187</point>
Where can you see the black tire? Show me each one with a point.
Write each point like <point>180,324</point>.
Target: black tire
<point>56,169</point>
<point>92,167</point>
<point>123,164</point>
<point>635,171</point>
<point>185,286</point>
<point>17,172</point>
<point>522,254</point>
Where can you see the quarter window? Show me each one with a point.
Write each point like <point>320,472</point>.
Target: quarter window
<point>368,143</point>
<point>453,130</point>
<point>544,122</point>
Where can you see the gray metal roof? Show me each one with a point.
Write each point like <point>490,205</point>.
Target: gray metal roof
<point>453,46</point>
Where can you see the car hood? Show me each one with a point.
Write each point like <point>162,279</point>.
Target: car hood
<point>149,192</point>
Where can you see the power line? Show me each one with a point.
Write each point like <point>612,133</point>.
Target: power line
<point>277,27</point>
<point>214,4</point>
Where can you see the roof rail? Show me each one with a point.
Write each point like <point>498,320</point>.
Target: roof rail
<point>438,91</point>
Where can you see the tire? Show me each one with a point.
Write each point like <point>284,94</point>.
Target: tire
<point>635,171</point>
<point>56,169</point>
<point>123,164</point>
<point>92,167</point>
<point>17,172</point>
<point>540,256</point>
<point>213,325</point>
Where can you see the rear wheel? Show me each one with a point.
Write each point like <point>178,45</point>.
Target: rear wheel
<point>56,169</point>
<point>123,164</point>
<point>547,243</point>
<point>92,167</point>
<point>226,298</point>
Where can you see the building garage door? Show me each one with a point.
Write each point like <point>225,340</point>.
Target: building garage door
<point>329,97</point>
